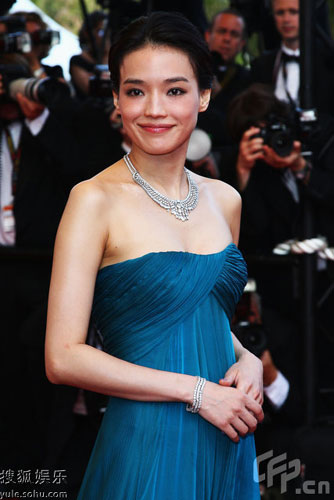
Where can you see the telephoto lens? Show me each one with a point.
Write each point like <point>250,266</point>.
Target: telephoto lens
<point>46,91</point>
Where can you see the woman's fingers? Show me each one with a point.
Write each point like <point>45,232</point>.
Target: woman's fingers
<point>230,409</point>
<point>231,433</point>
<point>255,408</point>
<point>249,420</point>
<point>240,426</point>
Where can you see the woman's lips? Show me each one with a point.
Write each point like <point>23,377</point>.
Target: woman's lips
<point>155,128</point>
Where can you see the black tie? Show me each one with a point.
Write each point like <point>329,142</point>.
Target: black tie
<point>286,58</point>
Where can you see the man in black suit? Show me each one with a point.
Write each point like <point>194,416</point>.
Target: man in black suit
<point>280,68</point>
<point>226,38</point>
<point>33,195</point>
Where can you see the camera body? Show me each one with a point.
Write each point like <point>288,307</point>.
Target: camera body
<point>100,84</point>
<point>252,336</point>
<point>45,37</point>
<point>18,42</point>
<point>278,135</point>
<point>15,39</point>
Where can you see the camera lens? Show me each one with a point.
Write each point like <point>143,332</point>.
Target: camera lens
<point>281,142</point>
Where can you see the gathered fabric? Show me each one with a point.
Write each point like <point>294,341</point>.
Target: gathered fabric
<point>169,311</point>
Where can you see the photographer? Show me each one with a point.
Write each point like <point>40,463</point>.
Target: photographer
<point>272,174</point>
<point>274,178</point>
<point>95,52</point>
<point>42,39</point>
<point>33,192</point>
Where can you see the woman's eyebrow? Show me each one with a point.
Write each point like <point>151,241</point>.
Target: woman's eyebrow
<point>137,81</point>
<point>176,79</point>
<point>134,81</point>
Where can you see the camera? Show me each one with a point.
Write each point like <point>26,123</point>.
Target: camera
<point>45,37</point>
<point>12,72</point>
<point>19,42</point>
<point>252,336</point>
<point>16,39</point>
<point>278,135</point>
<point>46,91</point>
<point>100,84</point>
<point>17,78</point>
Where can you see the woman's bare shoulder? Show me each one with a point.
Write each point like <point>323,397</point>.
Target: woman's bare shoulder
<point>97,189</point>
<point>222,191</point>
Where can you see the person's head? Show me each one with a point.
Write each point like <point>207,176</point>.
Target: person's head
<point>162,29</point>
<point>35,23</point>
<point>227,34</point>
<point>286,15</point>
<point>95,21</point>
<point>253,107</point>
<point>161,74</point>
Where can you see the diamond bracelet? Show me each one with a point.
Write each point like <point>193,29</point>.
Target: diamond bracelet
<point>197,399</point>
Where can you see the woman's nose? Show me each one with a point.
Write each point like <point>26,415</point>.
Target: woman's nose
<point>155,105</point>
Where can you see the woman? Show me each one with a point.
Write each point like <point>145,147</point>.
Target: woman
<point>165,285</point>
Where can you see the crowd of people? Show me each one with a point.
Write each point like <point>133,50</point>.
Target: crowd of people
<point>55,134</point>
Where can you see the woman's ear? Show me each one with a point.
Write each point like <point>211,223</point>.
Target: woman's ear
<point>204,99</point>
<point>115,96</point>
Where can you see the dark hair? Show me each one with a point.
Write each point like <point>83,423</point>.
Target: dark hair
<point>33,17</point>
<point>163,29</point>
<point>233,12</point>
<point>253,106</point>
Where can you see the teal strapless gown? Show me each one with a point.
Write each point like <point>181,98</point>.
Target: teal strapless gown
<point>170,311</point>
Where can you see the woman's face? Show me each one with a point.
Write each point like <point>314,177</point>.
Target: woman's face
<point>159,99</point>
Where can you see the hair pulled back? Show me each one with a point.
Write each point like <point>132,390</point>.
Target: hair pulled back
<point>162,29</point>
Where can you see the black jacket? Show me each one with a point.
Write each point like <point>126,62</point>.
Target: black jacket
<point>264,70</point>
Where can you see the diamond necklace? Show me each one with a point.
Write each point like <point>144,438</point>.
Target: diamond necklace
<point>179,208</point>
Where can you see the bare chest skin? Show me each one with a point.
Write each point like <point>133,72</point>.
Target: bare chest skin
<point>136,225</point>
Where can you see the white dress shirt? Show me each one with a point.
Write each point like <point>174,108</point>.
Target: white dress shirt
<point>292,80</point>
<point>7,228</point>
<point>277,391</point>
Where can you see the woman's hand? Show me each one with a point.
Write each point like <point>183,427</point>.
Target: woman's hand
<point>247,376</point>
<point>231,410</point>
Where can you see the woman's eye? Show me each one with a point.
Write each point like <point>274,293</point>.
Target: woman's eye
<point>176,91</point>
<point>134,92</point>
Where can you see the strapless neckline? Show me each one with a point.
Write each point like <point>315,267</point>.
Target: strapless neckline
<point>171,252</point>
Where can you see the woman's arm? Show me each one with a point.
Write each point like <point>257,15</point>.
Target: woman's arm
<point>79,249</point>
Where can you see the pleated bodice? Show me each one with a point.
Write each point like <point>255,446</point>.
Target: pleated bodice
<point>169,311</point>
